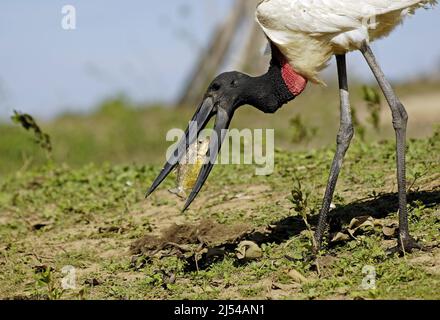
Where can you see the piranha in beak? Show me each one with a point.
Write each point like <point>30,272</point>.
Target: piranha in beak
<point>189,167</point>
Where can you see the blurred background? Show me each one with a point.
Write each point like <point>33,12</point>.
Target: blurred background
<point>109,90</point>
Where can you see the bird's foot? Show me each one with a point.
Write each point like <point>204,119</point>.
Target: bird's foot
<point>406,245</point>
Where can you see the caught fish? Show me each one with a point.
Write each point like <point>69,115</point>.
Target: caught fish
<point>189,167</point>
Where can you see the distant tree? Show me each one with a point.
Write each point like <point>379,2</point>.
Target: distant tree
<point>239,28</point>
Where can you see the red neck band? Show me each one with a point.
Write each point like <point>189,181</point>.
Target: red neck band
<point>295,82</point>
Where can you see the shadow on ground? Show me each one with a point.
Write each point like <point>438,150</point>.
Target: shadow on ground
<point>213,241</point>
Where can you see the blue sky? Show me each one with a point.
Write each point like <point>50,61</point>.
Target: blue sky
<point>144,49</point>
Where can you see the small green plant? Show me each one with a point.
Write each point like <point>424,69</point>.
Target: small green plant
<point>44,279</point>
<point>300,201</point>
<point>28,122</point>
<point>372,98</point>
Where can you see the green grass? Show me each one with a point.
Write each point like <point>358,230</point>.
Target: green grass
<point>53,215</point>
<point>84,207</point>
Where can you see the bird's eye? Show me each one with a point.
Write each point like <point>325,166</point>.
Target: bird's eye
<point>215,87</point>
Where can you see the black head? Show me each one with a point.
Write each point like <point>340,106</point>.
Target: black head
<point>267,93</point>
<point>228,90</point>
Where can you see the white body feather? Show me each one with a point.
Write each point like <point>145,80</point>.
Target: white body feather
<point>309,32</point>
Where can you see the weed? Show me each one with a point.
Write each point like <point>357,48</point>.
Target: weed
<point>28,122</point>
<point>44,278</point>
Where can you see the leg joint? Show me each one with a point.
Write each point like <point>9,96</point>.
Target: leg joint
<point>400,116</point>
<point>345,134</point>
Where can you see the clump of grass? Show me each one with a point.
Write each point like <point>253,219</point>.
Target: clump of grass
<point>44,280</point>
<point>300,201</point>
<point>28,123</point>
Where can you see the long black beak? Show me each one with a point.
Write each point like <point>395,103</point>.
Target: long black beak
<point>222,123</point>
<point>199,122</point>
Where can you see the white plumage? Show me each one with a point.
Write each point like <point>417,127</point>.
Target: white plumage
<point>310,32</point>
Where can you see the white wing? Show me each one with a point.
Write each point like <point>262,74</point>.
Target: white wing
<point>326,16</point>
<point>309,32</point>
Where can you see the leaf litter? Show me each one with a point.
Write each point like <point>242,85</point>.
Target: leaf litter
<point>364,225</point>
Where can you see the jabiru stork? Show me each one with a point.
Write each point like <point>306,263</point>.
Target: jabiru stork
<point>304,35</point>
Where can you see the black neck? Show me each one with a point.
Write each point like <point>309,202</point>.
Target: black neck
<point>268,92</point>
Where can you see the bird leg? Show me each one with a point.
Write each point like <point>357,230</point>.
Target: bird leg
<point>344,138</point>
<point>400,120</point>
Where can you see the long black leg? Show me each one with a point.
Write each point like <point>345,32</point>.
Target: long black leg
<point>343,142</point>
<point>400,121</point>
